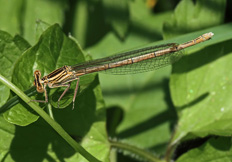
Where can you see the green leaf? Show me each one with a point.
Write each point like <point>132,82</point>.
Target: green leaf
<point>96,142</point>
<point>21,43</point>
<point>41,26</point>
<point>86,121</point>
<point>200,88</point>
<point>214,150</point>
<point>53,50</point>
<point>117,14</point>
<point>10,50</point>
<point>190,17</point>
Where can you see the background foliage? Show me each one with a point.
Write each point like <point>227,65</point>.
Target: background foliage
<point>181,112</point>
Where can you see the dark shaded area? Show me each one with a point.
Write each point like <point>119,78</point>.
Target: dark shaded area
<point>219,143</point>
<point>188,145</point>
<point>149,87</point>
<point>77,122</point>
<point>114,118</point>
<point>31,143</point>
<point>197,100</point>
<point>96,25</point>
<point>165,5</point>
<point>147,124</point>
<point>160,146</point>
<point>21,17</point>
<point>69,16</point>
<point>144,32</point>
<point>117,13</point>
<point>215,6</point>
<point>126,158</point>
<point>228,14</point>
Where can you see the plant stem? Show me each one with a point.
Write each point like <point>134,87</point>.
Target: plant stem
<point>141,152</point>
<point>50,111</point>
<point>170,148</point>
<point>77,147</point>
<point>15,100</point>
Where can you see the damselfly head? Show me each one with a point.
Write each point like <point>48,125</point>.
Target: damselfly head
<point>37,84</point>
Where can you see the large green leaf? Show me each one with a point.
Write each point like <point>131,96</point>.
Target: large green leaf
<point>10,50</point>
<point>201,88</point>
<point>214,150</point>
<point>87,121</point>
<point>53,50</point>
<point>188,87</point>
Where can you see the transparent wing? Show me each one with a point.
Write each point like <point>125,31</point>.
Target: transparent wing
<point>138,67</point>
<point>146,65</point>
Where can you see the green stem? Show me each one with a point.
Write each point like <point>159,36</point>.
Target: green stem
<point>15,100</point>
<point>141,152</point>
<point>77,147</point>
<point>50,111</point>
<point>170,148</point>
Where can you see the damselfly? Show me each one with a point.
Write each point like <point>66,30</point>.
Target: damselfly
<point>141,60</point>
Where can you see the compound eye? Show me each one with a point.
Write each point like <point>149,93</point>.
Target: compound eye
<point>34,83</point>
<point>37,73</point>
